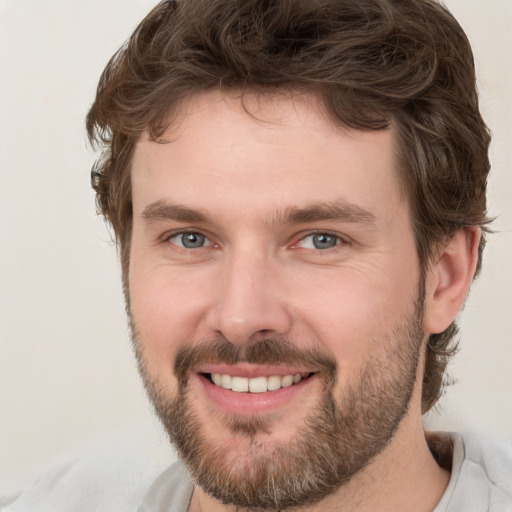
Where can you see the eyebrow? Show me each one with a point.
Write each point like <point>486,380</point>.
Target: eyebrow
<point>161,210</point>
<point>329,211</point>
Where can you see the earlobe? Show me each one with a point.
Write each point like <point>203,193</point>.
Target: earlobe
<point>449,278</point>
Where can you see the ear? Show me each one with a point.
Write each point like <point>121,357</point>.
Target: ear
<point>449,278</point>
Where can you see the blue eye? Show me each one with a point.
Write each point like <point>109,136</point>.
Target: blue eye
<point>190,240</point>
<point>319,241</point>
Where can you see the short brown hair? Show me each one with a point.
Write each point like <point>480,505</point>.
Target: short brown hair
<point>370,62</point>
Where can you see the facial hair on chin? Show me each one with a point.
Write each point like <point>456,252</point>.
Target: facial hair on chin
<point>338,438</point>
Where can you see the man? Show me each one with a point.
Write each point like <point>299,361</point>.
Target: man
<point>297,189</point>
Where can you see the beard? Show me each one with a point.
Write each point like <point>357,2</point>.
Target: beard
<point>342,434</point>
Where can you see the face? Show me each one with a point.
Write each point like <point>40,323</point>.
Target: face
<point>274,294</point>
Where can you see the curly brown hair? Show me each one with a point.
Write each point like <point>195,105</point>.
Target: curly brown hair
<point>370,62</point>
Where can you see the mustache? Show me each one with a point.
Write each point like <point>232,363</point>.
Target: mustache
<point>268,351</point>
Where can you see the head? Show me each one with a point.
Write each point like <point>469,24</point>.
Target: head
<point>368,67</point>
<point>369,63</point>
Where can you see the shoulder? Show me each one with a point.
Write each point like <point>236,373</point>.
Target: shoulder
<point>172,490</point>
<point>106,478</point>
<point>481,474</point>
<point>492,457</point>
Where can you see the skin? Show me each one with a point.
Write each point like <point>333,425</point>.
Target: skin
<point>259,274</point>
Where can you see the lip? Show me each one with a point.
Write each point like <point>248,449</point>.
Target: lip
<point>251,370</point>
<point>251,404</point>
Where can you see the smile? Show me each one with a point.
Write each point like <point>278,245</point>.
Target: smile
<point>246,389</point>
<point>256,384</point>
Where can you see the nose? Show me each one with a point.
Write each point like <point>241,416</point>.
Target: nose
<point>250,303</point>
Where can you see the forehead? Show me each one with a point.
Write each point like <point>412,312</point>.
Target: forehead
<point>263,151</point>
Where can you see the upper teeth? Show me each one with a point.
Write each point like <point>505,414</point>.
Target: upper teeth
<point>256,384</point>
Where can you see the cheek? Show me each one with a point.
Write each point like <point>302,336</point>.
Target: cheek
<point>166,310</point>
<point>352,314</point>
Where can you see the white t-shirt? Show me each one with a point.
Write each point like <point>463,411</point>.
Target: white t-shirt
<point>481,481</point>
<point>481,476</point>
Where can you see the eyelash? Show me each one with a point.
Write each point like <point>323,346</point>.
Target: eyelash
<point>174,234</point>
<point>340,240</point>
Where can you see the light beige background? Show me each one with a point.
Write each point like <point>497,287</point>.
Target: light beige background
<point>67,376</point>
